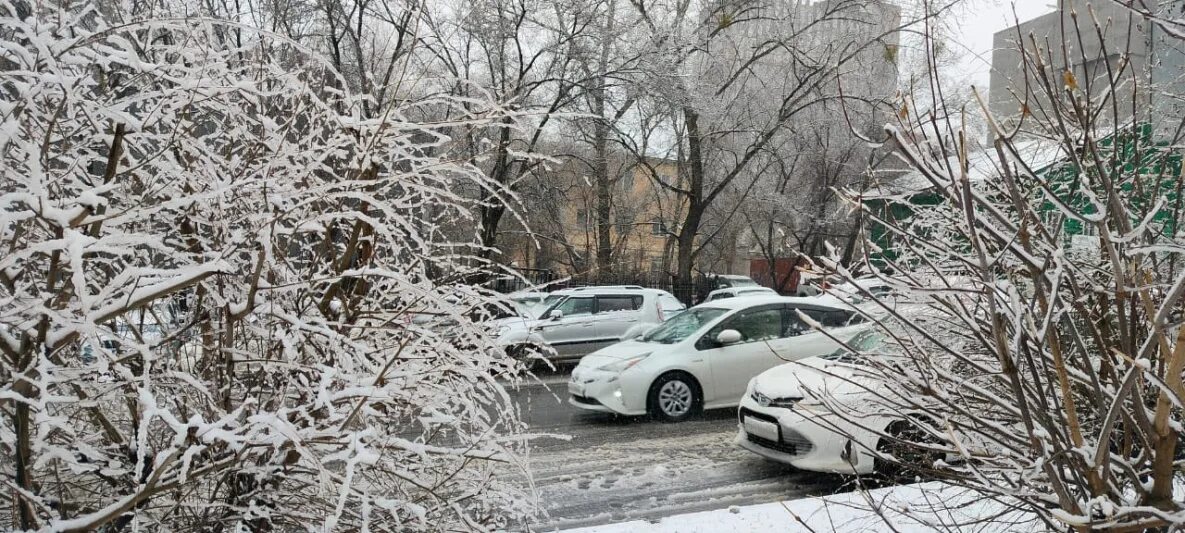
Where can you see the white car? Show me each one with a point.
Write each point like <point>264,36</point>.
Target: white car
<point>586,319</point>
<point>720,294</point>
<point>781,417</point>
<point>856,290</point>
<point>703,358</point>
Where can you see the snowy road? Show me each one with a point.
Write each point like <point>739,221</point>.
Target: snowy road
<point>625,468</point>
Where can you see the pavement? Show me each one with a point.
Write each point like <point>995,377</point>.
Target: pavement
<point>615,469</point>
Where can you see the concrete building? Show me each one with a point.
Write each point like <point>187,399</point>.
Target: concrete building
<point>1144,58</point>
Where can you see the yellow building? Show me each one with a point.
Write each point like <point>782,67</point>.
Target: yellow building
<point>562,215</point>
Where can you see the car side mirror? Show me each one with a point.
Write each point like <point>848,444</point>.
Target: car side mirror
<point>555,314</point>
<point>728,336</point>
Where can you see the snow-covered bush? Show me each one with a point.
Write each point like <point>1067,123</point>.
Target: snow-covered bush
<point>1057,271</point>
<point>209,256</point>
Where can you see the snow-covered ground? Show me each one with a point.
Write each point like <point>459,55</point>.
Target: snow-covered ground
<point>919,508</point>
<point>616,469</point>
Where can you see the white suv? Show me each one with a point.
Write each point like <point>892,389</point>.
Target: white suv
<point>588,319</point>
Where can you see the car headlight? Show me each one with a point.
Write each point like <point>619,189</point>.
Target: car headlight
<point>624,364</point>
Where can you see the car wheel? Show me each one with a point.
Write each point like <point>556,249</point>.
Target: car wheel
<point>674,397</point>
<point>905,443</point>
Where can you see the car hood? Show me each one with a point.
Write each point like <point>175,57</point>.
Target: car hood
<point>812,376</point>
<point>514,322</point>
<point>617,352</point>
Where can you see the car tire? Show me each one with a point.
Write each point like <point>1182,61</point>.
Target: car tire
<point>912,460</point>
<point>674,397</point>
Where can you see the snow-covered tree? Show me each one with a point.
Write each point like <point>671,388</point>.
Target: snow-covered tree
<point>212,246</point>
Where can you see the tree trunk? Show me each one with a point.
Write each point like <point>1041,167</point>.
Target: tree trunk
<point>601,163</point>
<point>601,176</point>
<point>695,208</point>
<point>491,213</point>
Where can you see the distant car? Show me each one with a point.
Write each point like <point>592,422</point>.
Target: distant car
<point>720,294</point>
<point>584,320</point>
<point>858,290</point>
<point>779,421</point>
<point>551,298</point>
<point>727,281</point>
<point>703,358</point>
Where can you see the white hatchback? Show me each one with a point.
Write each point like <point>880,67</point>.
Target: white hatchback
<point>833,414</point>
<point>705,357</point>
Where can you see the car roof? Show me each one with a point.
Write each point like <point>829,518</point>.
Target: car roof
<point>612,289</point>
<point>607,287</point>
<point>745,288</point>
<point>754,301</point>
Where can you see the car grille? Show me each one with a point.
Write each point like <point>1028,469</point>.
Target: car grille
<point>776,446</point>
<point>792,443</point>
<point>585,400</point>
<point>760,416</point>
<point>800,443</point>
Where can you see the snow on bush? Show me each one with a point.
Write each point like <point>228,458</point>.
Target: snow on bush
<point>209,252</point>
<point>1048,372</point>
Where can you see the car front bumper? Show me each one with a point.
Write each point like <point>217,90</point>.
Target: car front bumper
<point>605,392</point>
<point>799,438</point>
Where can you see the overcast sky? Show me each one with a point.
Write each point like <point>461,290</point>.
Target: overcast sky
<point>983,18</point>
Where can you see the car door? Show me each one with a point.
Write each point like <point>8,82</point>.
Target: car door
<point>615,314</point>
<point>761,329</point>
<point>574,332</point>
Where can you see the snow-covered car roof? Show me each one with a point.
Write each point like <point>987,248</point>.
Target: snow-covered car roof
<point>747,290</point>
<point>612,289</point>
<point>750,301</point>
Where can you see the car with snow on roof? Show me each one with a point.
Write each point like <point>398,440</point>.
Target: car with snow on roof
<point>703,358</point>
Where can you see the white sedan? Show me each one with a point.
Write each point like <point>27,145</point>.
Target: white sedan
<point>705,357</point>
<point>782,416</point>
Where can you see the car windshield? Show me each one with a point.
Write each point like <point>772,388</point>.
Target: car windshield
<point>864,342</point>
<point>742,282</point>
<point>540,309</point>
<point>682,326</point>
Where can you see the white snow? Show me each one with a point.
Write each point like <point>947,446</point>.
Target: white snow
<point>918,508</point>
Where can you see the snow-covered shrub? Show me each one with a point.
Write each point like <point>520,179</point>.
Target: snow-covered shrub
<point>1058,381</point>
<point>209,256</point>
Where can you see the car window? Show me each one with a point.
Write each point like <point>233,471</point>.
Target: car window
<point>793,324</point>
<point>864,342</point>
<point>682,326</point>
<point>720,296</point>
<point>828,318</point>
<point>609,304</point>
<point>669,303</point>
<point>575,306</point>
<point>754,325</point>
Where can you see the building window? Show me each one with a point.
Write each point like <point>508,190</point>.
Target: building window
<point>658,228</point>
